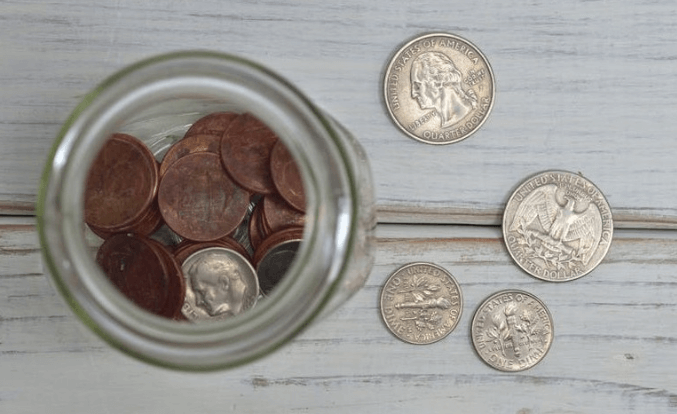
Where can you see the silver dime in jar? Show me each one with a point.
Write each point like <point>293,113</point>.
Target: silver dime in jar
<point>512,330</point>
<point>220,283</point>
<point>439,88</point>
<point>421,303</point>
<point>557,226</point>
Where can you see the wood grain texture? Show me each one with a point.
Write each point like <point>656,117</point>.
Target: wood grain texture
<point>583,86</point>
<point>614,346</point>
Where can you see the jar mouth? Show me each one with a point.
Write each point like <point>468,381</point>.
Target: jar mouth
<point>241,86</point>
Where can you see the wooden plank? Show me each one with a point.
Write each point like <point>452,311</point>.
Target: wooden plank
<point>614,347</point>
<point>582,86</point>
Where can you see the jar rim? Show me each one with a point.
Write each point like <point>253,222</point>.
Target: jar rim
<point>331,205</point>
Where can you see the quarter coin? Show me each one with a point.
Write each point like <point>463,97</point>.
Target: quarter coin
<point>557,226</point>
<point>421,303</point>
<point>439,88</point>
<point>512,330</point>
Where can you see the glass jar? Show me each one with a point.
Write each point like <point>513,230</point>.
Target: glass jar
<point>157,100</point>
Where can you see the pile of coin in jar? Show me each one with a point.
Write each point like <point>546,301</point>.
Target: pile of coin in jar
<point>207,231</point>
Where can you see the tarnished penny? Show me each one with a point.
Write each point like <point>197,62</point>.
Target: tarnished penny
<point>212,124</point>
<point>241,233</point>
<point>421,303</point>
<point>557,226</point>
<point>176,295</point>
<point>512,330</point>
<point>256,231</point>
<point>136,267</point>
<point>220,283</point>
<point>121,185</point>
<point>278,215</point>
<point>145,225</point>
<point>198,200</point>
<point>287,177</point>
<point>189,145</point>
<point>245,151</point>
<point>274,264</point>
<point>186,248</point>
<point>274,239</point>
<point>439,88</point>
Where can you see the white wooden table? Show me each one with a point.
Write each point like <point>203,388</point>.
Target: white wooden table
<point>581,86</point>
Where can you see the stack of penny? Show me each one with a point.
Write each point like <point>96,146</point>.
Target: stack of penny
<point>229,185</point>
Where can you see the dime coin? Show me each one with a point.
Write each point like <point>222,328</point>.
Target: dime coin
<point>245,151</point>
<point>220,284</point>
<point>439,88</point>
<point>512,330</point>
<point>198,200</point>
<point>287,177</point>
<point>557,226</point>
<point>212,124</point>
<point>421,303</point>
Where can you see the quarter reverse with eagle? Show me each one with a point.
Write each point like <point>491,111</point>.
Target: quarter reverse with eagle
<point>557,226</point>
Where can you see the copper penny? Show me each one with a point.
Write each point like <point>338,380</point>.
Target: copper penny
<point>187,247</point>
<point>291,233</point>
<point>150,223</point>
<point>278,215</point>
<point>212,124</point>
<point>136,268</point>
<point>287,176</point>
<point>189,145</point>
<point>198,200</point>
<point>256,231</point>
<point>146,225</point>
<point>177,294</point>
<point>245,151</point>
<point>121,184</point>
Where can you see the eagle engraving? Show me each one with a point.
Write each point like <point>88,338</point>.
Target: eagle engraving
<point>565,222</point>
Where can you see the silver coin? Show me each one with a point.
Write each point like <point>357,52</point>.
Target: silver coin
<point>421,303</point>
<point>439,88</point>
<point>557,226</point>
<point>512,330</point>
<point>274,265</point>
<point>220,283</point>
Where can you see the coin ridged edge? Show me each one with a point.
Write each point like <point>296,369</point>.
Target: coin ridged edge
<point>388,70</point>
<point>512,197</point>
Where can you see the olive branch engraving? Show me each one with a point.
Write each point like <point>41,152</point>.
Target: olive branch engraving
<point>422,309</point>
